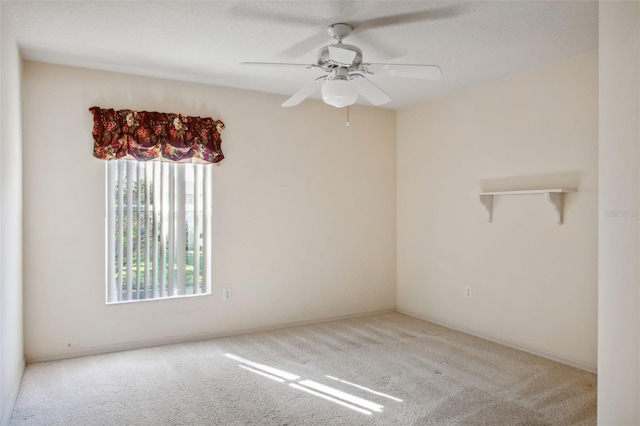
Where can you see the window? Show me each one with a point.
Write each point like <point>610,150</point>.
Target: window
<point>158,230</point>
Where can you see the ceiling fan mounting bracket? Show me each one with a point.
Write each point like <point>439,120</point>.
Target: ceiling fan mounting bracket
<point>339,31</point>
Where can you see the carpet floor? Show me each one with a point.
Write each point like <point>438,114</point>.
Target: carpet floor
<point>388,369</point>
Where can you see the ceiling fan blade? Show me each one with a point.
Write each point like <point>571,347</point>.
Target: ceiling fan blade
<point>252,12</point>
<point>429,72</point>
<point>370,91</point>
<point>303,47</point>
<point>341,55</point>
<point>305,92</point>
<point>434,14</point>
<point>278,64</point>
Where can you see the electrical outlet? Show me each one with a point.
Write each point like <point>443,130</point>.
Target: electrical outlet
<point>467,292</point>
<point>226,294</point>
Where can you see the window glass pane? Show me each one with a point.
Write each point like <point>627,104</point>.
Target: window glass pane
<point>157,218</point>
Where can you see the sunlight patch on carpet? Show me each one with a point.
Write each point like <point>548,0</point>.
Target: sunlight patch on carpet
<point>262,373</point>
<point>265,368</point>
<point>364,388</point>
<point>311,387</point>
<point>330,398</point>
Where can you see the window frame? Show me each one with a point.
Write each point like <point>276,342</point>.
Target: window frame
<point>169,186</point>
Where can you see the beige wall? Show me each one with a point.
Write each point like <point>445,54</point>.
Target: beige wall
<point>619,248</point>
<point>11,330</point>
<point>304,214</point>
<point>534,283</point>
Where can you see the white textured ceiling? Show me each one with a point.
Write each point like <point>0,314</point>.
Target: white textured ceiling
<point>204,41</point>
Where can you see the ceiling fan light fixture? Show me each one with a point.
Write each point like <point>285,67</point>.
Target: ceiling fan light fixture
<point>339,93</point>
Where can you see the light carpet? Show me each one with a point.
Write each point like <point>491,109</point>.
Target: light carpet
<point>388,369</point>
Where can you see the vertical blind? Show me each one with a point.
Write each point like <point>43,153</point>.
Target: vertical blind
<point>158,230</point>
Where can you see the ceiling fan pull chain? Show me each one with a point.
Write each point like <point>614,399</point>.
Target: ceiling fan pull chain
<point>348,123</point>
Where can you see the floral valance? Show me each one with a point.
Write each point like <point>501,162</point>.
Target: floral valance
<point>144,135</point>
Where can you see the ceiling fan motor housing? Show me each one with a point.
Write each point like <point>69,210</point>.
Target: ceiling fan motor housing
<point>325,62</point>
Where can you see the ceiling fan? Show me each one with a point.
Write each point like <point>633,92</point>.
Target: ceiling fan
<point>346,76</point>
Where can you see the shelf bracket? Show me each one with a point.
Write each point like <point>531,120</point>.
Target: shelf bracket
<point>487,202</point>
<point>554,196</point>
<point>557,200</point>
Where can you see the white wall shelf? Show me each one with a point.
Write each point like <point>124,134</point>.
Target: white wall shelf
<point>554,196</point>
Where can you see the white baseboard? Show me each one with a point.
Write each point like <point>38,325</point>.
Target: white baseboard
<point>516,345</point>
<point>99,350</point>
